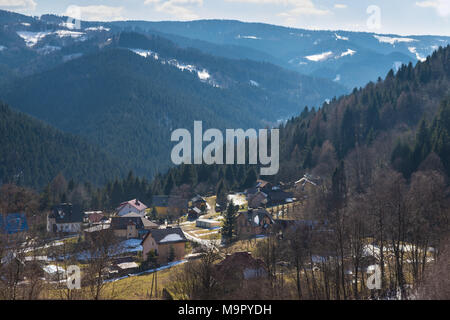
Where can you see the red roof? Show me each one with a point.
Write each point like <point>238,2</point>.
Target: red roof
<point>95,217</point>
<point>135,203</point>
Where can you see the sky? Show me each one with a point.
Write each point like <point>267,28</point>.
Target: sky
<point>403,17</point>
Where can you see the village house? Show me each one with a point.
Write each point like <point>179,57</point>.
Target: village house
<point>306,184</point>
<point>65,218</point>
<point>279,197</point>
<point>198,202</point>
<point>194,213</point>
<point>134,206</point>
<point>167,244</point>
<point>123,266</point>
<point>160,204</point>
<point>257,200</point>
<point>265,194</point>
<point>207,223</point>
<point>131,225</point>
<point>93,218</point>
<point>169,204</point>
<point>253,222</point>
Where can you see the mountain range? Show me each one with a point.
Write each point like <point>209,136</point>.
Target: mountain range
<point>122,87</point>
<point>349,58</point>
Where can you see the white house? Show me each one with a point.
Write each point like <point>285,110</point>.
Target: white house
<point>132,206</point>
<point>65,218</point>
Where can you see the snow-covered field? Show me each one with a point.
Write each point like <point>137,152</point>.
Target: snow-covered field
<point>320,57</point>
<point>32,38</point>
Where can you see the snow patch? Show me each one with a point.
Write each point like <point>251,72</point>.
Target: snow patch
<point>32,38</point>
<point>181,66</point>
<point>349,52</point>
<point>248,37</point>
<point>238,200</point>
<point>414,51</point>
<point>100,28</point>
<point>67,33</point>
<point>130,245</point>
<point>68,25</point>
<point>254,83</point>
<point>203,75</point>
<point>338,37</point>
<point>397,65</point>
<point>145,53</point>
<point>319,57</point>
<point>2,48</point>
<point>391,40</point>
<point>338,78</point>
<point>172,238</point>
<point>52,269</point>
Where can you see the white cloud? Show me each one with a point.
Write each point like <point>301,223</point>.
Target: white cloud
<point>298,7</point>
<point>441,6</point>
<point>18,4</point>
<point>340,6</point>
<point>180,9</point>
<point>95,13</point>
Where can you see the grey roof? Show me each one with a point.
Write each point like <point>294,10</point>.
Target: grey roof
<point>198,198</point>
<point>148,224</point>
<point>118,223</point>
<point>161,234</point>
<point>67,213</point>
<point>197,210</point>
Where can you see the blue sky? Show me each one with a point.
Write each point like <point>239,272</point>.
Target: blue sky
<point>405,17</point>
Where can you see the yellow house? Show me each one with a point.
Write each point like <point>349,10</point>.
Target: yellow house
<point>174,204</point>
<point>160,203</point>
<point>168,244</point>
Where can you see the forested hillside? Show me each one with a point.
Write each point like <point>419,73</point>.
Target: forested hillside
<point>401,122</point>
<point>380,116</point>
<point>32,153</point>
<point>128,104</point>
